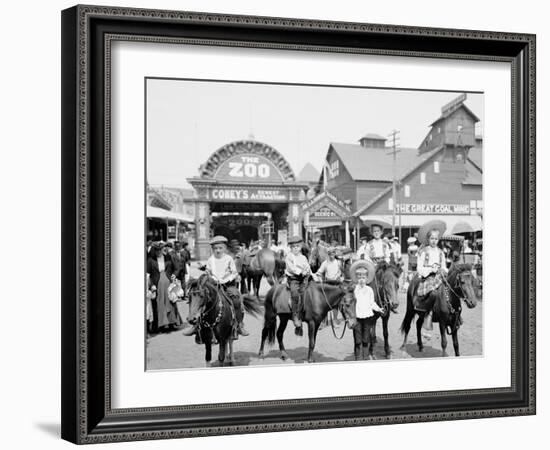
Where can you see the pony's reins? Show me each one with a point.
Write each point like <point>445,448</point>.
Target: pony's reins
<point>384,300</point>
<point>330,315</point>
<point>456,322</point>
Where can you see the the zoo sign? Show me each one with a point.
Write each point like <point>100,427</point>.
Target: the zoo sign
<point>248,168</point>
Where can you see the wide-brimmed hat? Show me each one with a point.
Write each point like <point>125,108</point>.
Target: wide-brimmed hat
<point>157,245</point>
<point>438,225</point>
<point>362,264</point>
<point>218,240</point>
<point>295,240</point>
<point>411,240</point>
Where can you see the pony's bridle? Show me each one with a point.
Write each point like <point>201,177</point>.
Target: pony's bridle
<point>202,322</point>
<point>331,308</point>
<point>455,312</point>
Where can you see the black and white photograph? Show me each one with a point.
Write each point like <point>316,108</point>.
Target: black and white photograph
<point>298,223</point>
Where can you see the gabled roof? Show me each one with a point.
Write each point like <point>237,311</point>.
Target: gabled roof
<point>411,168</point>
<point>326,198</point>
<point>376,164</point>
<point>308,174</point>
<point>452,111</point>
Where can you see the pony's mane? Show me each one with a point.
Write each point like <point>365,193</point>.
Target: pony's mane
<point>383,266</point>
<point>457,269</point>
<point>463,267</point>
<point>202,281</point>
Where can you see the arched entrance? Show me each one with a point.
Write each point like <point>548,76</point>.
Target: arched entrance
<point>241,186</point>
<point>244,234</point>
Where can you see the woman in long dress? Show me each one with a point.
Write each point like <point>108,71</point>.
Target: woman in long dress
<point>160,268</point>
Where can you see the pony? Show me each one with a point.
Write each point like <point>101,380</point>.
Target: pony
<point>446,303</point>
<point>385,285</point>
<point>264,263</point>
<point>318,300</point>
<point>212,311</point>
<point>318,254</point>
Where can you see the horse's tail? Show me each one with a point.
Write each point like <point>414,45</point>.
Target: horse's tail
<point>252,305</point>
<point>409,315</point>
<point>270,317</point>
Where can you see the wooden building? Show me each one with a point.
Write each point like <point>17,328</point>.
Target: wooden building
<point>442,178</point>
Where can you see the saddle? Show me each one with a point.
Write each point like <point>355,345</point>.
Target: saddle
<point>282,302</point>
<point>421,302</point>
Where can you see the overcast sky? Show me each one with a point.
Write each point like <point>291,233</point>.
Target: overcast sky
<point>188,120</point>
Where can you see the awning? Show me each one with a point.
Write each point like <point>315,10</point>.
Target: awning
<point>417,220</point>
<point>158,213</point>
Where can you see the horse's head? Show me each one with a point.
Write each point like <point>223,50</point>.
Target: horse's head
<point>461,280</point>
<point>347,304</point>
<point>199,295</point>
<point>387,284</point>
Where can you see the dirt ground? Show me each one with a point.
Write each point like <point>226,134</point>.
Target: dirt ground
<point>175,351</point>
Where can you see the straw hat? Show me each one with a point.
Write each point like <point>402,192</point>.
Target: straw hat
<point>362,264</point>
<point>295,240</point>
<point>438,225</point>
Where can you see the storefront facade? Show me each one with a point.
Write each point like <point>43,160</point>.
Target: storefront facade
<point>247,191</point>
<point>330,215</point>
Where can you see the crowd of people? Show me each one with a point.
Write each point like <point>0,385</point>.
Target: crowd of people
<point>168,271</point>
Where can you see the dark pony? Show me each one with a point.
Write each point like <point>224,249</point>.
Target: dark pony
<point>213,313</point>
<point>386,287</point>
<point>446,304</point>
<point>319,299</point>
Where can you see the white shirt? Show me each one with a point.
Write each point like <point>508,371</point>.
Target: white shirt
<point>365,304</point>
<point>297,265</point>
<point>222,269</point>
<point>362,251</point>
<point>427,258</point>
<point>377,248</point>
<point>160,262</point>
<point>330,270</point>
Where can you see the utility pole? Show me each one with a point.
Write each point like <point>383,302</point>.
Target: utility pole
<point>393,151</point>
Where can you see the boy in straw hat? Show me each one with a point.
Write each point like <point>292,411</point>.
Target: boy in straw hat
<point>377,249</point>
<point>221,267</point>
<point>297,272</point>
<point>362,273</point>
